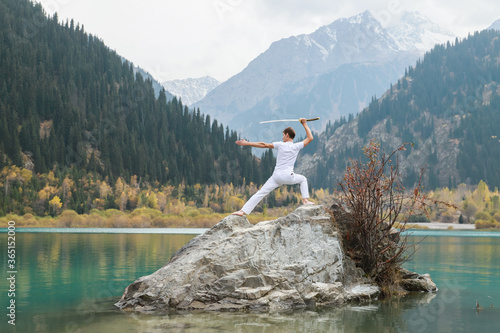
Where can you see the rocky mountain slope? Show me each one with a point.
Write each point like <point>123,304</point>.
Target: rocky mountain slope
<point>447,105</point>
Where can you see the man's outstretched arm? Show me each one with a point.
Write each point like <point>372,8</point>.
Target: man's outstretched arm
<point>254,144</point>
<point>308,132</point>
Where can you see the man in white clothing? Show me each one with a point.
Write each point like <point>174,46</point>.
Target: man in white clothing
<point>283,171</point>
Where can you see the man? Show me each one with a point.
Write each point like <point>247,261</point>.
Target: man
<point>283,171</point>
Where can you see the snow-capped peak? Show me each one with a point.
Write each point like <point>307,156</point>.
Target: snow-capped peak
<point>415,32</point>
<point>191,90</point>
<point>495,26</point>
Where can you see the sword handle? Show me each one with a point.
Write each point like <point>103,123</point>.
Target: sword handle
<point>312,119</point>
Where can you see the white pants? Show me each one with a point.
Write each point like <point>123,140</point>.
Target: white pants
<point>276,180</point>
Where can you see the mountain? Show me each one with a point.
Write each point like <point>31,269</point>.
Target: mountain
<point>415,32</point>
<point>495,25</point>
<point>71,107</point>
<point>330,73</point>
<point>447,105</point>
<point>191,90</point>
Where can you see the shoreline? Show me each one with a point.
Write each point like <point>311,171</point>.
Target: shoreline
<point>148,218</point>
<point>92,230</point>
<point>197,230</point>
<point>141,218</point>
<point>441,226</point>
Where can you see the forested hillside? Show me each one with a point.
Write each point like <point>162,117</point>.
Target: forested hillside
<point>71,106</point>
<point>448,105</point>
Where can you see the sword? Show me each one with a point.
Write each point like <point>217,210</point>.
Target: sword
<point>282,120</point>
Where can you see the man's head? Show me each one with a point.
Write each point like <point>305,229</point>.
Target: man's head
<point>288,134</point>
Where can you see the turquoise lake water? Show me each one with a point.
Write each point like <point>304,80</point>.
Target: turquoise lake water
<point>68,281</point>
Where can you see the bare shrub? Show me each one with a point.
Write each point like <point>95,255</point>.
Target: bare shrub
<point>376,201</point>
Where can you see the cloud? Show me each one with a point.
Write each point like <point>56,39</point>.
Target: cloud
<point>193,38</point>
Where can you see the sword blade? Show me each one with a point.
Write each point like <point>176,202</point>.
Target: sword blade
<point>277,121</point>
<point>283,120</point>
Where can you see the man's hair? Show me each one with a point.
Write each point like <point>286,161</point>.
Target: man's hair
<point>290,132</point>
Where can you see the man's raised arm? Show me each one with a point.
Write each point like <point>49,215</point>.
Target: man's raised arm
<point>308,132</point>
<point>254,144</point>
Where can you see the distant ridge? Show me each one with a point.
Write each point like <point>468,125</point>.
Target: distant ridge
<point>191,90</point>
<point>495,25</point>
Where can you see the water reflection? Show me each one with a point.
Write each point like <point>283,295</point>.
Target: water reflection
<point>61,272</point>
<point>69,283</point>
<point>377,316</point>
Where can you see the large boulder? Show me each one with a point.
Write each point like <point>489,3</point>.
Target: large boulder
<point>293,262</point>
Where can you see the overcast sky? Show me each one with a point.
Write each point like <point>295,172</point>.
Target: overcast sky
<point>177,39</point>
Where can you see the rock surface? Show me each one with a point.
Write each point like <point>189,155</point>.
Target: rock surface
<point>293,262</point>
<point>296,261</point>
<point>415,282</point>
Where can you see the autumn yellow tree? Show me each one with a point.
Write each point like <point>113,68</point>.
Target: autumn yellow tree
<point>55,205</point>
<point>152,201</point>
